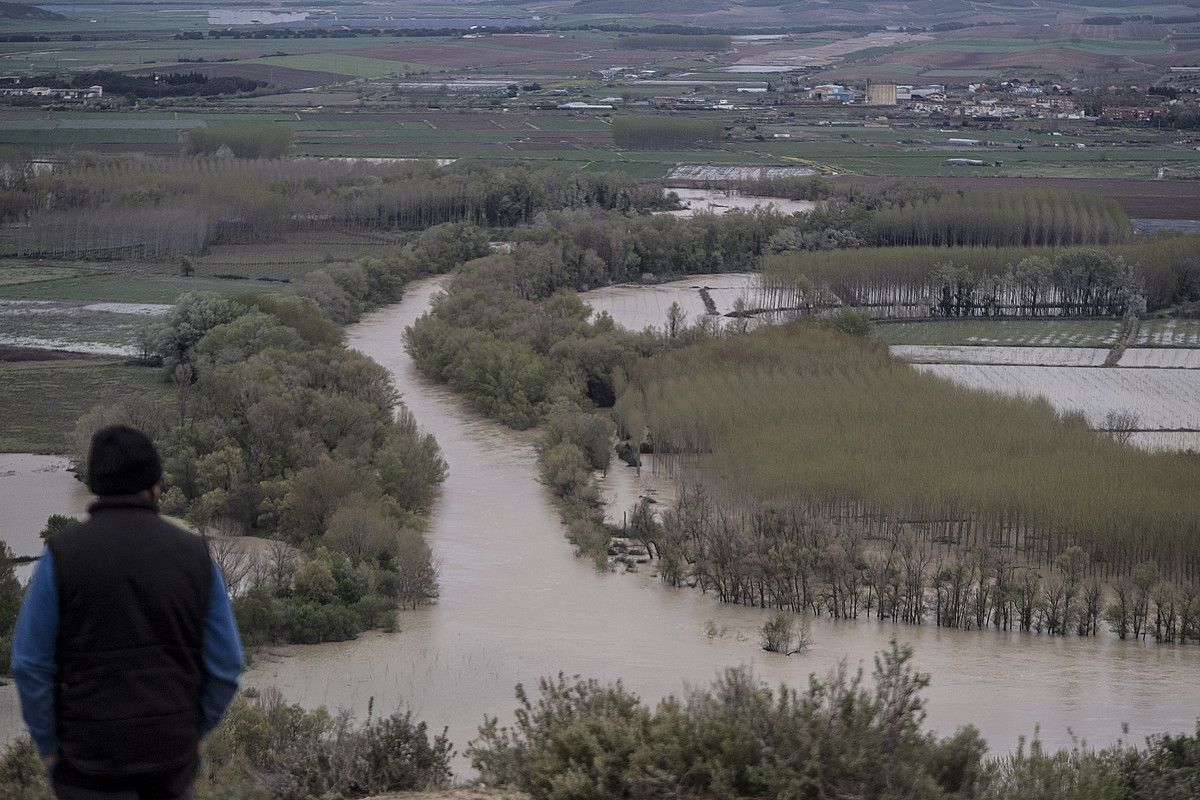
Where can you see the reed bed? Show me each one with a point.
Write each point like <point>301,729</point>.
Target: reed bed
<point>817,425</point>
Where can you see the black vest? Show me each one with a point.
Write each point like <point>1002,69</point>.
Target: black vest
<point>132,596</point>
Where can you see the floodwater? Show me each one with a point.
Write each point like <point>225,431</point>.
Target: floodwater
<point>516,604</point>
<point>230,16</point>
<point>637,307</point>
<point>33,487</point>
<point>716,201</point>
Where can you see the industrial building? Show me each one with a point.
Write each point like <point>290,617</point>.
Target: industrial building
<point>881,94</point>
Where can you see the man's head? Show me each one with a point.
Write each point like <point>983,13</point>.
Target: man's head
<point>122,461</point>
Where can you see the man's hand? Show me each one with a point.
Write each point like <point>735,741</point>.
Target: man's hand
<point>50,760</point>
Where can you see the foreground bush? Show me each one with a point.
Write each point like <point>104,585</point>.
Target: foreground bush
<point>839,738</point>
<point>266,749</point>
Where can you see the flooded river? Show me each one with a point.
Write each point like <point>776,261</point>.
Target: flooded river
<point>516,604</point>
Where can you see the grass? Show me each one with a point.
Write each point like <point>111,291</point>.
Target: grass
<point>1013,333</point>
<point>33,425</point>
<point>31,273</point>
<point>131,288</point>
<point>340,64</point>
<point>1169,333</point>
<point>1104,47</point>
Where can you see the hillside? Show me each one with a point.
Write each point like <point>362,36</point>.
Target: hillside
<point>24,11</point>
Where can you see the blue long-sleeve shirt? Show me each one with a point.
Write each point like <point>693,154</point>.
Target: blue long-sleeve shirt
<point>34,656</point>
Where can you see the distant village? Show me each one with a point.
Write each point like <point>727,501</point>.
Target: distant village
<point>999,101</point>
<point>10,87</point>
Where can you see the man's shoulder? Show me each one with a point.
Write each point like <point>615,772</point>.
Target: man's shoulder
<point>94,530</point>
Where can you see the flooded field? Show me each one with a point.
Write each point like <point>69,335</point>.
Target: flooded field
<point>637,307</point>
<point>230,16</point>
<point>1163,399</point>
<point>1168,358</point>
<point>93,328</point>
<point>986,354</point>
<point>33,487</point>
<point>715,201</point>
<point>726,172</point>
<point>516,604</point>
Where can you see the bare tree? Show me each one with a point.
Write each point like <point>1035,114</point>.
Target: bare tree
<point>282,562</point>
<point>233,559</point>
<point>1121,425</point>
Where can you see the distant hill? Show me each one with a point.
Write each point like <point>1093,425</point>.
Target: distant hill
<point>23,11</point>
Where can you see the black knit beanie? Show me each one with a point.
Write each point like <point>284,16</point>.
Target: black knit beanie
<point>122,461</point>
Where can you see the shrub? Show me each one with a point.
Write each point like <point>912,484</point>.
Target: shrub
<point>270,749</point>
<point>22,776</point>
<point>841,737</point>
<point>314,581</point>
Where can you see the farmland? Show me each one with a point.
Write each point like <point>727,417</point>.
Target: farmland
<point>1162,399</point>
<point>562,85</point>
<point>976,414</point>
<point>1085,333</point>
<point>33,425</point>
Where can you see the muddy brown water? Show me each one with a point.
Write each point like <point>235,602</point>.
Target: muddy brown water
<point>516,604</point>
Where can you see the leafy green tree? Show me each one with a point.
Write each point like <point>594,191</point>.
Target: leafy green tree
<point>56,523</point>
<point>314,581</point>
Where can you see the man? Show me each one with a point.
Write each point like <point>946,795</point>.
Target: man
<point>125,652</point>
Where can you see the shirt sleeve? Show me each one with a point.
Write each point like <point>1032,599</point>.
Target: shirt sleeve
<point>34,658</point>
<point>222,655</point>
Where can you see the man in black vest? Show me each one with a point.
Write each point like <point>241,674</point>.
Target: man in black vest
<point>125,652</point>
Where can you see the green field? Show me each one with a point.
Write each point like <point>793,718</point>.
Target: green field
<point>341,64</point>
<point>131,288</point>
<point>1104,47</point>
<point>1011,333</point>
<point>42,400</point>
<point>157,52</point>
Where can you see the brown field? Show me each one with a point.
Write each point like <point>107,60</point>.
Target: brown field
<point>1140,199</point>
<point>459,56</point>
<point>806,55</point>
<point>1050,58</point>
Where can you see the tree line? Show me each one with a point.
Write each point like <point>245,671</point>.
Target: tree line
<point>846,568</point>
<point>967,281</point>
<point>157,209</point>
<point>169,84</point>
<point>241,141</point>
<point>1004,218</point>
<point>666,132</point>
